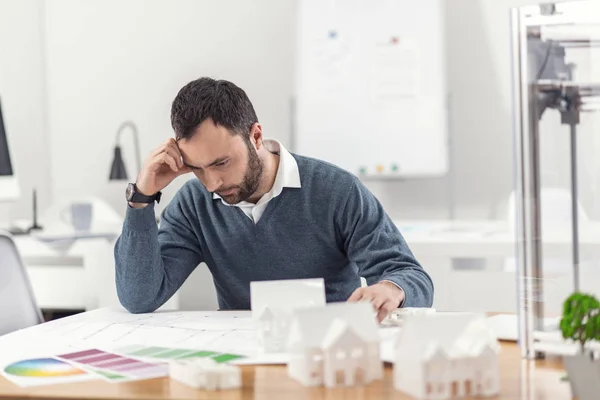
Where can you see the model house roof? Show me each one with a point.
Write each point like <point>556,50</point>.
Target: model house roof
<point>455,334</point>
<point>265,314</point>
<point>340,333</point>
<point>322,326</point>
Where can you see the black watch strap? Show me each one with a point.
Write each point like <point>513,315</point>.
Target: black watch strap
<point>134,196</point>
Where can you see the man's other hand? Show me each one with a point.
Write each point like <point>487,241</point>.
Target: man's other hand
<point>384,296</point>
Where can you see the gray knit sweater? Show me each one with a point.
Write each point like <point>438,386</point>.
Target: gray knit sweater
<point>332,227</point>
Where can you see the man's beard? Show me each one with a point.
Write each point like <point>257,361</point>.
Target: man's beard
<point>251,181</point>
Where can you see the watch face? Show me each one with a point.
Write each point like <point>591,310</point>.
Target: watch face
<point>129,191</point>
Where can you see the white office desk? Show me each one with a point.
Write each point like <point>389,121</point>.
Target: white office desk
<point>59,279</point>
<point>76,274</point>
<point>82,276</point>
<point>468,262</point>
<point>36,252</point>
<point>483,239</point>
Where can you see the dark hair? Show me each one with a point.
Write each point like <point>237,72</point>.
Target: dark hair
<point>222,101</point>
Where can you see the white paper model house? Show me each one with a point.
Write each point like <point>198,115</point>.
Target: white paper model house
<point>446,355</point>
<point>396,317</point>
<point>336,345</point>
<point>273,302</point>
<point>205,373</point>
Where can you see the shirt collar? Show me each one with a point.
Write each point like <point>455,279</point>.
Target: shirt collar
<point>288,174</point>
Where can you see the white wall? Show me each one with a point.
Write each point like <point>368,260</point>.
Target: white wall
<point>113,60</point>
<point>95,51</point>
<point>22,94</point>
<point>110,61</point>
<point>479,82</point>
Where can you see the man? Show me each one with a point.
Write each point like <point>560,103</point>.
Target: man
<point>256,212</point>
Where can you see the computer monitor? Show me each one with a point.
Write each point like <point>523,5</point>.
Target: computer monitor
<point>9,186</point>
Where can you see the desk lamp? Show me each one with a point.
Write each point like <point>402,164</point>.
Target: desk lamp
<point>117,169</point>
<point>9,187</point>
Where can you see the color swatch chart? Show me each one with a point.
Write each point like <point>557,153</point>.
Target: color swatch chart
<point>168,353</point>
<point>45,371</point>
<point>114,367</point>
<point>43,367</point>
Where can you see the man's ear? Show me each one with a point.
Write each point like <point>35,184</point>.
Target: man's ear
<point>256,136</point>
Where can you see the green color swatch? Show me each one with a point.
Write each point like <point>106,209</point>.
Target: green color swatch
<point>223,358</point>
<point>167,353</point>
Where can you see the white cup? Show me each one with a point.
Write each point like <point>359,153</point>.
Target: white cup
<point>78,215</point>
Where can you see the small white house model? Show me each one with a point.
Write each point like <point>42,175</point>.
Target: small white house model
<point>446,355</point>
<point>396,317</point>
<point>273,302</point>
<point>336,345</point>
<point>205,373</point>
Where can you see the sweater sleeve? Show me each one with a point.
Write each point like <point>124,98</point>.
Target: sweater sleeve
<point>152,263</point>
<point>374,243</point>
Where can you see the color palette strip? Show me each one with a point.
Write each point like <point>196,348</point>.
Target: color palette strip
<point>169,353</point>
<point>114,367</point>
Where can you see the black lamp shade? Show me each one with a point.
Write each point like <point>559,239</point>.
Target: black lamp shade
<point>5,164</point>
<point>117,169</point>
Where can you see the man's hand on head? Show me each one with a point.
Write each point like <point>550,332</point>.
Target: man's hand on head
<point>162,166</point>
<point>385,297</point>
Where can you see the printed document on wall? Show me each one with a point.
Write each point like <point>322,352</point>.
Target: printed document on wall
<point>394,74</point>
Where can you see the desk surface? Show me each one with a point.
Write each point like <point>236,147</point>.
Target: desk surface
<point>520,379</point>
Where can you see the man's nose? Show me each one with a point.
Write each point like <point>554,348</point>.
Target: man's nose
<point>212,181</point>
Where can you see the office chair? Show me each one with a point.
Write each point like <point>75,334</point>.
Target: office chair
<point>18,308</point>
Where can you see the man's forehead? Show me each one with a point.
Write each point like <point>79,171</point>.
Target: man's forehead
<point>200,153</point>
<point>208,142</point>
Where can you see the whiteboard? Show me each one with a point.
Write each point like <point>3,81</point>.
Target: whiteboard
<point>371,92</point>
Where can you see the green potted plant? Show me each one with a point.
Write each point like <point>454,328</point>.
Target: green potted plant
<point>581,324</point>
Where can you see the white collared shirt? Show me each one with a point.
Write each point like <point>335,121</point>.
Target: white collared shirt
<point>288,175</point>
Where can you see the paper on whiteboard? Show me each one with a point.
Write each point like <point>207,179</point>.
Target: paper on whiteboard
<point>329,63</point>
<point>394,74</point>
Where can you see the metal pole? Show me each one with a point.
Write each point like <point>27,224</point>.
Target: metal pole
<point>528,191</point>
<point>574,207</point>
<point>535,269</point>
<point>293,143</point>
<point>451,184</point>
<point>525,338</point>
<point>519,178</point>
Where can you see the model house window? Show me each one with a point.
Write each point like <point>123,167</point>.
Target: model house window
<point>436,370</point>
<point>357,352</point>
<point>340,355</point>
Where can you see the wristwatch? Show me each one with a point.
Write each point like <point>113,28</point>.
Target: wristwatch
<point>132,195</point>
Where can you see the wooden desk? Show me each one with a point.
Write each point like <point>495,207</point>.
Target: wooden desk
<point>520,379</point>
